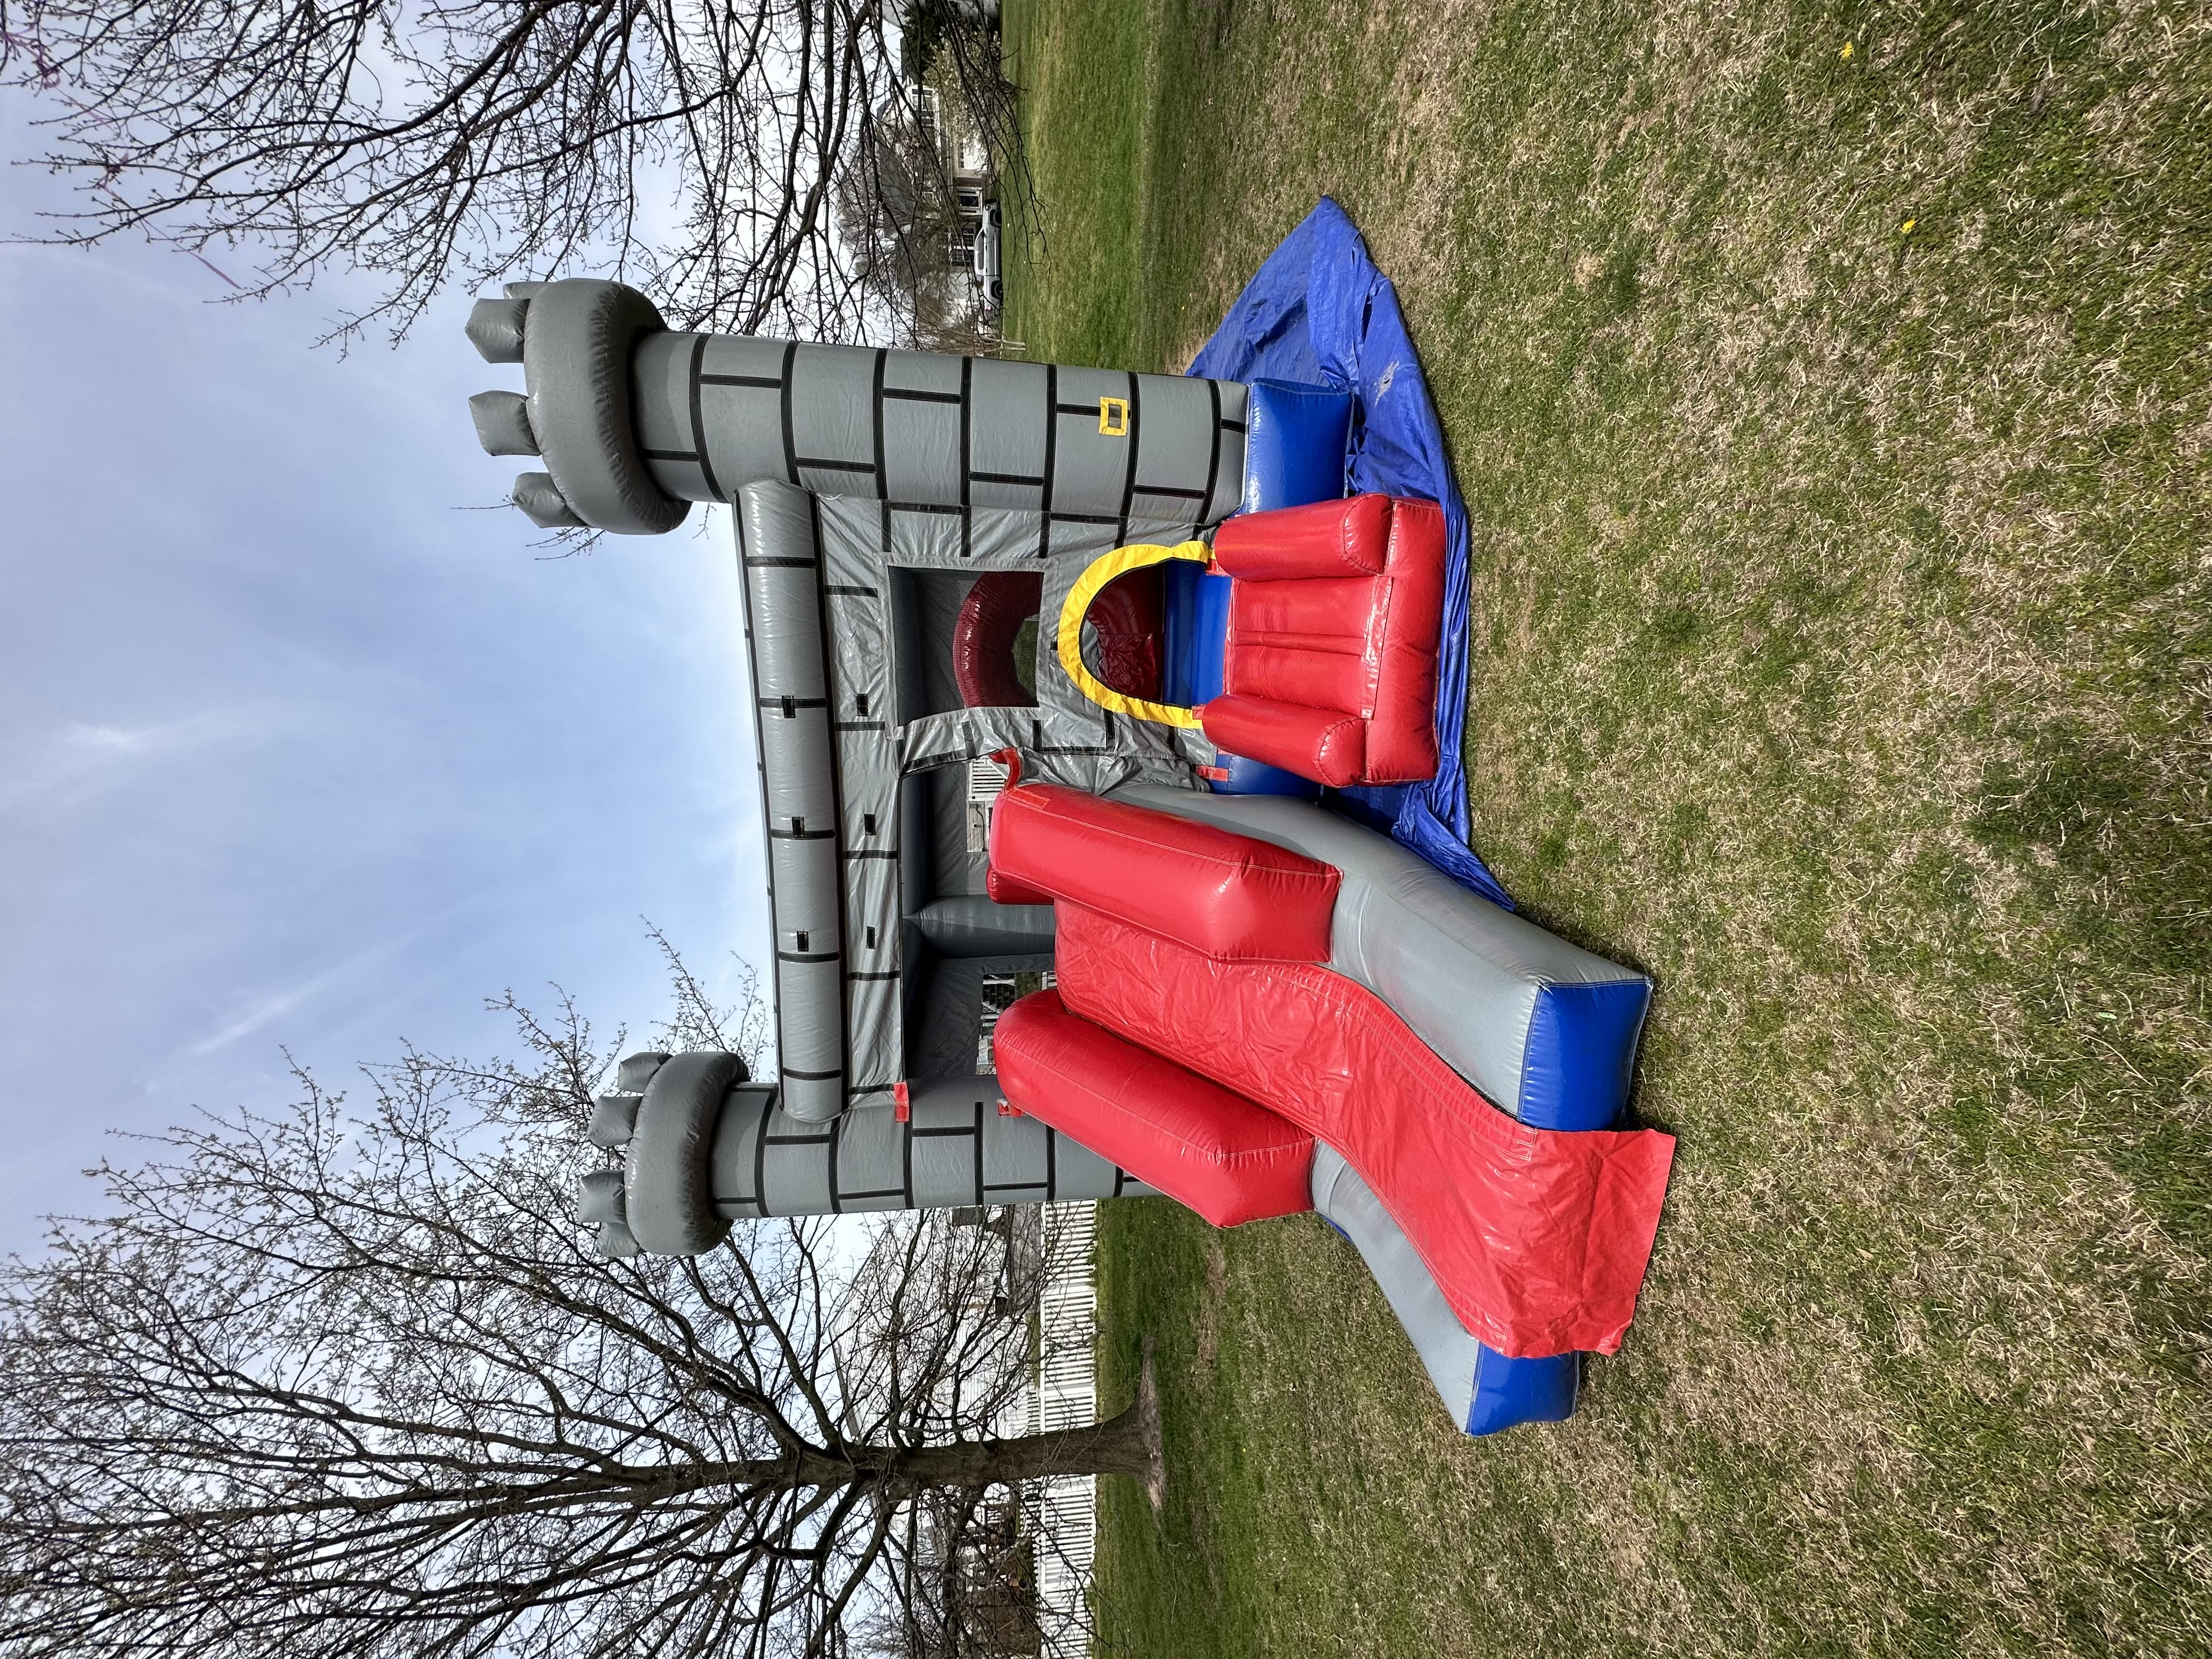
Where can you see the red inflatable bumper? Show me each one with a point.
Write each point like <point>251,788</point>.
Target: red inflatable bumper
<point>1195,1140</point>
<point>1330,667</point>
<point>1225,894</point>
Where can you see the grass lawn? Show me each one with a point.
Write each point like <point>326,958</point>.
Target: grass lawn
<point>1830,392</point>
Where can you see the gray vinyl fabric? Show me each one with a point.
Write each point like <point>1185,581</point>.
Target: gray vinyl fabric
<point>667,1204</point>
<point>543,503</point>
<point>614,1119</point>
<point>635,422</point>
<point>1450,1353</point>
<point>866,810</point>
<point>923,432</point>
<point>1067,738</point>
<point>502,423</point>
<point>943,1000</point>
<point>955,1148</point>
<point>829,796</point>
<point>600,1196</point>
<point>970,925</point>
<point>495,328</point>
<point>709,1146</point>
<point>1462,971</point>
<point>577,341</point>
<point>935,861</point>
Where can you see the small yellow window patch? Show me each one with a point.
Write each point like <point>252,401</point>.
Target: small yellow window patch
<point>1114,416</point>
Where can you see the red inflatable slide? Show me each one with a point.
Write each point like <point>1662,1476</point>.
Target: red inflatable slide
<point>1188,950</point>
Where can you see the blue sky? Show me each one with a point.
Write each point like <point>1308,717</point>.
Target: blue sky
<point>296,751</point>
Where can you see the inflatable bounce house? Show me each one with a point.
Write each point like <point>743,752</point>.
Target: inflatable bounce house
<point>1213,627</point>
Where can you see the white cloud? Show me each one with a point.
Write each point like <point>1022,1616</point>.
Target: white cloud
<point>277,1005</point>
<point>86,758</point>
<point>114,740</point>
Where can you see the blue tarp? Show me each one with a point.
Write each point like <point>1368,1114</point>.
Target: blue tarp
<point>1318,311</point>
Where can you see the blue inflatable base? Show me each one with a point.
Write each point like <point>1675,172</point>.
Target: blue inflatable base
<point>1296,441</point>
<point>1582,1048</point>
<point>1510,1392</point>
<point>1581,1042</point>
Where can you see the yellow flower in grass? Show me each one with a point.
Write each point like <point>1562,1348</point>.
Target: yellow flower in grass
<point>1846,52</point>
<point>1905,229</point>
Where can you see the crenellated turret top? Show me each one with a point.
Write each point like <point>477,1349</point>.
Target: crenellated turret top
<point>636,422</point>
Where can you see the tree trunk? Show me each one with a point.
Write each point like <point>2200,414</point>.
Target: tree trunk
<point>1125,1443</point>
<point>1128,1443</point>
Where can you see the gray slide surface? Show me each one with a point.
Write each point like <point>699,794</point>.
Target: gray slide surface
<point>1462,971</point>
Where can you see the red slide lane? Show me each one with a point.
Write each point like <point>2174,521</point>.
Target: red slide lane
<point>1539,1239</point>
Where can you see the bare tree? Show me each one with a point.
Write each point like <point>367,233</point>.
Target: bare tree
<point>897,215</point>
<point>436,142</point>
<point>967,1589</point>
<point>331,1382</point>
<point>954,37</point>
<point>943,1291</point>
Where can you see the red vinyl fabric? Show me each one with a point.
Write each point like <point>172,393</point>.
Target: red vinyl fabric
<point>1222,894</point>
<point>983,639</point>
<point>999,888</point>
<point>1216,1152</point>
<point>1315,641</point>
<point>1336,610</point>
<point>1315,742</point>
<point>1401,731</point>
<point>1128,619</point>
<point>1002,888</point>
<point>1539,1239</point>
<point>1343,538</point>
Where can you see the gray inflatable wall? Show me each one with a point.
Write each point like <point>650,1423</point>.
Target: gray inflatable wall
<point>921,432</point>
<point>865,893</point>
<point>634,422</point>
